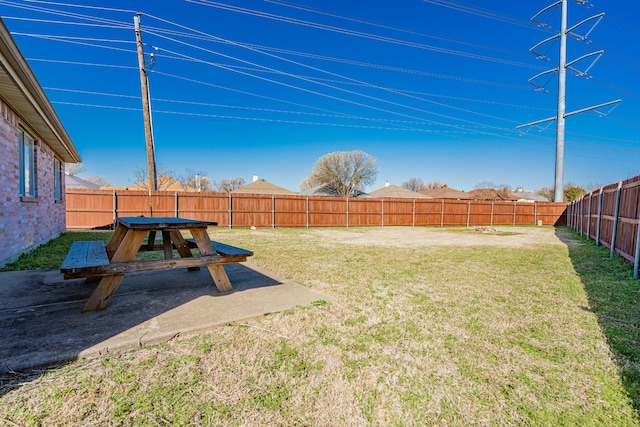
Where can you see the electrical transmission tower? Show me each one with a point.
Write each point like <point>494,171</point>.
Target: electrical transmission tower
<point>575,66</point>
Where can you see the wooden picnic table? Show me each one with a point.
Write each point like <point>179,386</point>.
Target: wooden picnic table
<point>109,263</point>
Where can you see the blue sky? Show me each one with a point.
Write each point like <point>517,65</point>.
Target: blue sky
<point>433,89</point>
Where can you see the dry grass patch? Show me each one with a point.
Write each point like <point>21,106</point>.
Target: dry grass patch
<point>424,334</point>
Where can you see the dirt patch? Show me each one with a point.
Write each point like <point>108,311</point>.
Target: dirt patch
<point>406,237</point>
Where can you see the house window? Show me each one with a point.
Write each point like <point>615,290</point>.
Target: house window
<point>26,148</point>
<point>57,179</point>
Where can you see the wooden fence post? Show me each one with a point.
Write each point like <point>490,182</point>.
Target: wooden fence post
<point>580,216</point>
<point>491,220</point>
<point>468,212</point>
<point>347,209</point>
<point>273,211</point>
<point>514,213</point>
<point>636,258</point>
<point>413,218</point>
<point>307,212</point>
<point>115,207</point>
<point>615,221</point>
<point>589,217</point>
<point>230,211</point>
<point>177,208</point>
<point>599,220</point>
<point>581,204</point>
<point>585,217</point>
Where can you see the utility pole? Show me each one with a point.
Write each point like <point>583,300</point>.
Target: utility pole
<point>562,81</point>
<point>558,188</point>
<point>146,109</point>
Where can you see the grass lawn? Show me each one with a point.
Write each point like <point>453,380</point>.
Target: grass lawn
<point>487,333</point>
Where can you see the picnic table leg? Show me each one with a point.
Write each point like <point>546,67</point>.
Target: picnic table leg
<point>182,247</point>
<point>115,240</point>
<point>219,276</point>
<point>126,251</point>
<point>166,244</point>
<point>151,240</point>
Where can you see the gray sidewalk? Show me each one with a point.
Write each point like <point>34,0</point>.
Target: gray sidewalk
<point>41,319</point>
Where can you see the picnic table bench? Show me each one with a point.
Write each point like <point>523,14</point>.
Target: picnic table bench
<point>109,262</point>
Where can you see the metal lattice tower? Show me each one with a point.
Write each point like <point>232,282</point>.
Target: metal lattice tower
<point>563,65</point>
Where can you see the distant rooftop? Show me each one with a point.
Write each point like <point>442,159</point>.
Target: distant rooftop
<point>399,192</point>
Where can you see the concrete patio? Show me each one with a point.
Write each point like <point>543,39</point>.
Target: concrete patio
<point>41,319</point>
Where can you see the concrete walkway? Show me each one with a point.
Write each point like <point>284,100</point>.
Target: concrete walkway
<point>41,319</point>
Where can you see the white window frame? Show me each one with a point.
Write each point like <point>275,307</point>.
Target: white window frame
<point>26,152</point>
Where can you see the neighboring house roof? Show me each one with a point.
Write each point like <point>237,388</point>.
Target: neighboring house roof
<point>328,190</point>
<point>165,183</point>
<point>71,181</point>
<point>400,192</point>
<point>528,196</point>
<point>20,89</point>
<point>491,194</point>
<point>446,193</point>
<point>261,186</point>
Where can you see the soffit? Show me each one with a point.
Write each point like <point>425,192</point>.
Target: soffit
<point>20,89</point>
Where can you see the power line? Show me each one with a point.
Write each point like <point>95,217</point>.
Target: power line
<point>72,41</point>
<point>334,124</point>
<point>83,6</point>
<point>65,14</point>
<point>329,86</point>
<point>72,38</point>
<point>360,34</point>
<point>465,128</point>
<point>440,104</point>
<point>87,64</point>
<point>389,27</point>
<point>483,13</point>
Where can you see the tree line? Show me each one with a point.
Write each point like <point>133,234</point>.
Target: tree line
<point>341,173</point>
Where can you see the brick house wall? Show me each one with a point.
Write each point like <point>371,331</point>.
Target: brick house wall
<point>26,222</point>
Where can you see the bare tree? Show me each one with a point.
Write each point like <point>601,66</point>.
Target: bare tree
<point>346,172</point>
<point>227,185</point>
<point>434,184</point>
<point>98,180</point>
<point>500,194</point>
<point>489,184</point>
<point>414,184</point>
<point>571,192</point>
<point>196,180</point>
<point>74,168</point>
<point>593,186</point>
<point>547,193</point>
<point>166,178</point>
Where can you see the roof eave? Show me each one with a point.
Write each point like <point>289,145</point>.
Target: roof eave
<point>20,89</point>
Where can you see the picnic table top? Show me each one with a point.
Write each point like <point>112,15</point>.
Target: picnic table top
<point>150,223</point>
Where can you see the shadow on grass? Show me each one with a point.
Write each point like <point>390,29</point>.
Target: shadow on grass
<point>614,297</point>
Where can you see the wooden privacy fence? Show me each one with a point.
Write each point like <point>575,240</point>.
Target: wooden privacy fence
<point>611,217</point>
<point>99,208</point>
